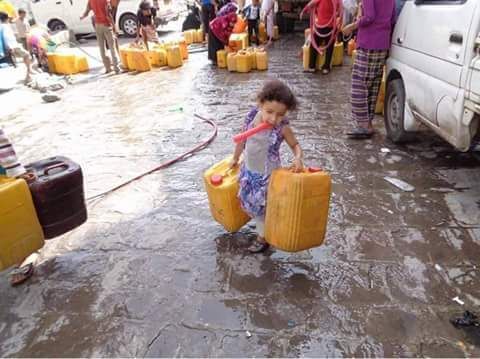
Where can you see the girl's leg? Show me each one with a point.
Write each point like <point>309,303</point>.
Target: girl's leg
<point>328,58</point>
<point>259,245</point>
<point>313,53</point>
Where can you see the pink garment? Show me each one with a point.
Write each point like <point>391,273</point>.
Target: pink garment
<point>222,26</point>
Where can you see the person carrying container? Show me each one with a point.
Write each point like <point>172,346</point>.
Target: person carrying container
<point>11,167</point>
<point>326,13</point>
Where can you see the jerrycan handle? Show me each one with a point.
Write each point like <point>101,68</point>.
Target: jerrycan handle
<point>58,165</point>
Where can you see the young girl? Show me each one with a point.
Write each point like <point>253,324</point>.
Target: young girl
<point>146,23</point>
<point>262,152</point>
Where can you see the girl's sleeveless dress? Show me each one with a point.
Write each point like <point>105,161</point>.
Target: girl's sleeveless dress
<point>254,185</point>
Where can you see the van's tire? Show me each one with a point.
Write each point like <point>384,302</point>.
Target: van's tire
<point>56,25</point>
<point>128,24</point>
<point>394,114</point>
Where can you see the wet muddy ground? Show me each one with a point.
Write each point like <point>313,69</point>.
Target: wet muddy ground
<point>151,274</point>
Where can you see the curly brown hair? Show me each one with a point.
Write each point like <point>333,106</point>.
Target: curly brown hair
<point>276,90</point>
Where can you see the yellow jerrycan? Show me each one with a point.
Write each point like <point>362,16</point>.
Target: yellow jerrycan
<point>232,61</point>
<point>379,108</point>
<point>222,59</point>
<point>123,57</point>
<point>159,57</point>
<point>183,49</point>
<point>52,62</point>
<point>199,36</point>
<point>82,64</point>
<point>297,209</point>
<point>243,63</point>
<point>276,33</point>
<point>262,32</point>
<point>337,59</point>
<point>252,57</point>
<point>188,36</point>
<point>222,187</point>
<point>261,59</point>
<point>131,58</point>
<point>307,33</point>
<point>306,57</point>
<point>20,230</point>
<point>174,57</point>
<point>142,61</point>
<point>65,64</point>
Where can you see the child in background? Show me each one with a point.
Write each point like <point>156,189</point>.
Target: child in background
<point>146,23</point>
<point>23,28</point>
<point>262,152</point>
<point>252,13</point>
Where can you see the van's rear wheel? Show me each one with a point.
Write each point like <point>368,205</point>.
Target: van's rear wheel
<point>395,112</point>
<point>128,24</point>
<point>56,26</point>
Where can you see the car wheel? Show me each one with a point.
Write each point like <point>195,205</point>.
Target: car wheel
<point>56,25</point>
<point>128,24</point>
<point>395,112</point>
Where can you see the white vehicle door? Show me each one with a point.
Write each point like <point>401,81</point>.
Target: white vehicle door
<point>474,75</point>
<point>436,38</point>
<point>75,9</point>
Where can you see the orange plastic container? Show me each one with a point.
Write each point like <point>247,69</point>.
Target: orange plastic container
<point>232,62</point>
<point>352,45</point>
<point>261,58</point>
<point>222,188</point>
<point>240,25</point>
<point>20,230</point>
<point>297,209</point>
<point>243,62</point>
<point>183,49</point>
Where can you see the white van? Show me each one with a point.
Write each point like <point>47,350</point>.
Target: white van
<point>433,73</point>
<point>65,14</point>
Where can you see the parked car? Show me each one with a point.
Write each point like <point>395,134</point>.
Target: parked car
<point>65,14</point>
<point>433,72</point>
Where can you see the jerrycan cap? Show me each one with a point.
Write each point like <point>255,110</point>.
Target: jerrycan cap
<point>314,169</point>
<point>216,179</point>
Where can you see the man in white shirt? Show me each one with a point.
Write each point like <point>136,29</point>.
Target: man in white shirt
<point>11,44</point>
<point>23,27</point>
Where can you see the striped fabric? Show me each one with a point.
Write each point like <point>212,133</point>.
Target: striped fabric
<point>366,80</point>
<point>8,157</point>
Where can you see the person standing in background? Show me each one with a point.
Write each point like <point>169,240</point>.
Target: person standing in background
<point>23,28</point>
<point>105,30</point>
<point>375,23</point>
<point>252,13</point>
<point>208,14</point>
<point>267,15</point>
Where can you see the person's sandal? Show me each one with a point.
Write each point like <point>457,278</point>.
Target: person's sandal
<point>258,247</point>
<point>325,71</point>
<point>360,133</point>
<point>21,275</point>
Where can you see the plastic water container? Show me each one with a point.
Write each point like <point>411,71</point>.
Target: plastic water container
<point>276,33</point>
<point>222,188</point>
<point>142,61</point>
<point>243,62</point>
<point>337,59</point>
<point>238,41</point>
<point>252,58</point>
<point>123,57</point>
<point>82,64</point>
<point>232,61</point>
<point>379,108</point>
<point>297,209</point>
<point>65,64</point>
<point>20,230</point>
<point>261,60</point>
<point>58,195</point>
<point>199,35</point>
<point>174,57</point>
<point>183,49</point>
<point>352,45</point>
<point>51,60</point>
<point>262,32</point>
<point>222,59</point>
<point>158,57</point>
<point>189,36</point>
